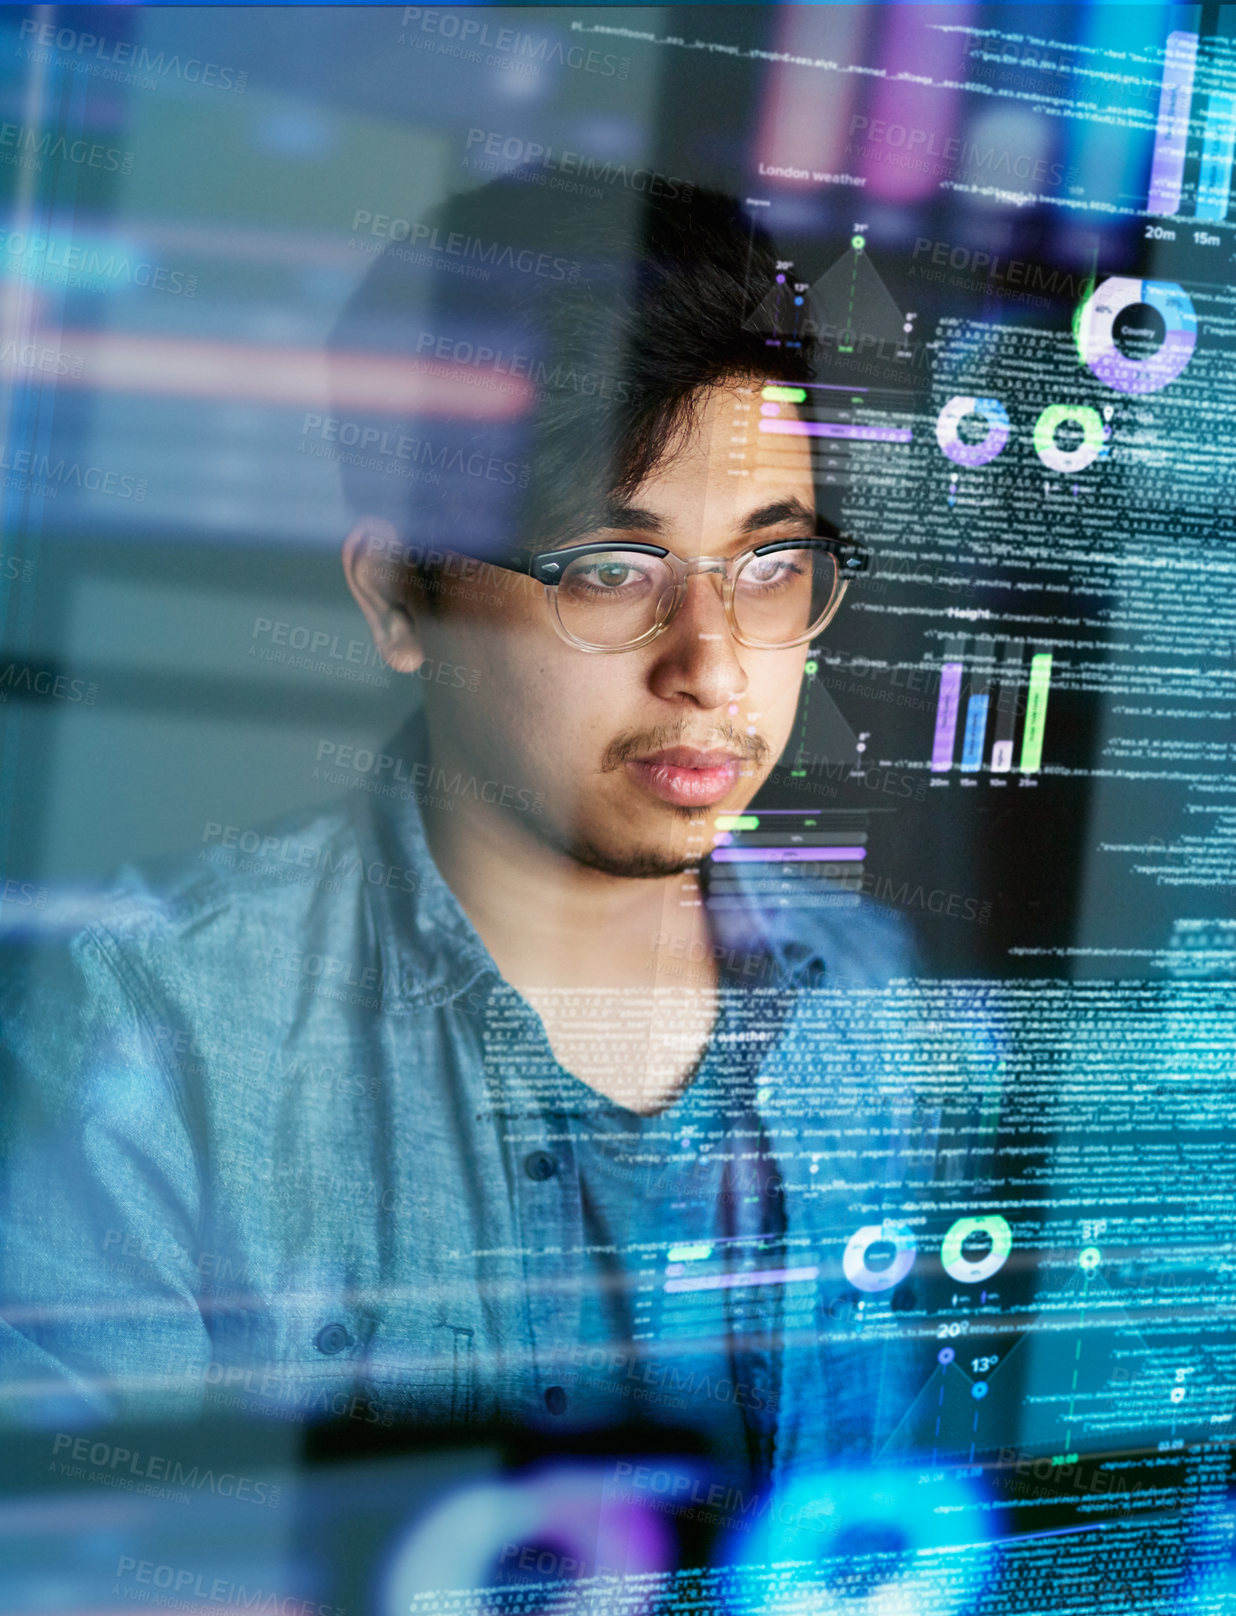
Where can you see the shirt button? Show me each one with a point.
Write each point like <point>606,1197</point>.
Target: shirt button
<point>332,1338</point>
<point>556,1399</point>
<point>540,1165</point>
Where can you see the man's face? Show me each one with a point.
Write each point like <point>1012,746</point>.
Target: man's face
<point>633,753</point>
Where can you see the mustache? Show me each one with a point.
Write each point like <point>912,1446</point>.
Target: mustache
<point>752,749</point>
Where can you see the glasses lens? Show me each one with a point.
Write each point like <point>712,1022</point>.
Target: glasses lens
<point>780,597</point>
<point>609,598</point>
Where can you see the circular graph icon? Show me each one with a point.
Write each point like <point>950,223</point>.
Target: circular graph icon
<point>976,1248</point>
<point>551,1527</point>
<point>1098,332</point>
<point>879,1256</point>
<point>988,410</point>
<point>861,1542</point>
<point>1083,419</point>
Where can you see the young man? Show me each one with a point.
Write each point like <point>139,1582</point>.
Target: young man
<point>527,1135</point>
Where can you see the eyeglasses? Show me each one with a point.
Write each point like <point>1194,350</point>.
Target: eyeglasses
<point>608,597</point>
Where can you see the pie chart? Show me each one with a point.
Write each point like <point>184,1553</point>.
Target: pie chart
<point>988,447</point>
<point>1096,333</point>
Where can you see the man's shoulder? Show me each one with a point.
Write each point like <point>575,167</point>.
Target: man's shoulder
<point>228,908</point>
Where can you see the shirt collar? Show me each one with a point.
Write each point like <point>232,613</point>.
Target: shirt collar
<point>430,951</point>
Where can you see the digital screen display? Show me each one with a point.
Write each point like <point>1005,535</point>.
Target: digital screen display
<point>618,809</point>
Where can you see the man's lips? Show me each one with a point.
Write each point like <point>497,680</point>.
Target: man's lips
<point>685,776</point>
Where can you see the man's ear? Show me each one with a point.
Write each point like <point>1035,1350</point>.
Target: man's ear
<point>380,581</point>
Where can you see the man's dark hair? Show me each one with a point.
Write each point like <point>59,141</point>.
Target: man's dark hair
<point>556,346</point>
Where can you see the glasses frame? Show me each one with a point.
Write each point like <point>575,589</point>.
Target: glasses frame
<point>547,566</point>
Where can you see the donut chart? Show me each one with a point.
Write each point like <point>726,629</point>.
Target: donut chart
<point>883,1276</point>
<point>1069,460</point>
<point>958,1266</point>
<point>567,1515</point>
<point>972,454</point>
<point>1095,333</point>
<point>861,1542</point>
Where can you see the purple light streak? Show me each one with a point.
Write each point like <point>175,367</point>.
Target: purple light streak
<point>787,855</point>
<point>830,429</point>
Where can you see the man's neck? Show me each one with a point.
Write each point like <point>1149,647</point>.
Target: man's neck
<point>551,921</point>
<point>621,970</point>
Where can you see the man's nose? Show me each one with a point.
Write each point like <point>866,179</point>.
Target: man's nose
<point>697,657</point>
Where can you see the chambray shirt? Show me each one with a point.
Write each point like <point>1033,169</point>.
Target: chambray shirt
<point>278,1137</point>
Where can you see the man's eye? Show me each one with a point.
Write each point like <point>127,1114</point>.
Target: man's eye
<point>612,574</point>
<point>769,570</point>
<point>606,575</point>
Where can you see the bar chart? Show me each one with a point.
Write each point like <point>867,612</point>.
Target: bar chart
<point>1181,101</point>
<point>791,856</point>
<point>1018,690</point>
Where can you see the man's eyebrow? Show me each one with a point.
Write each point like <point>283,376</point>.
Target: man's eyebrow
<point>782,510</point>
<point>629,518</point>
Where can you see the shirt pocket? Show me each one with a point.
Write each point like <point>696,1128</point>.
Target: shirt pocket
<point>422,1371</point>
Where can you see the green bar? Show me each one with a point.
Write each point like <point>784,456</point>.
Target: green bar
<point>785,395</point>
<point>1036,712</point>
<point>738,822</point>
<point>688,1253</point>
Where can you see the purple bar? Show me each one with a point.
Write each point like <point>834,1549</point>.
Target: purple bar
<point>946,716</point>
<point>787,855</point>
<point>1171,136</point>
<point>832,429</point>
<point>727,1282</point>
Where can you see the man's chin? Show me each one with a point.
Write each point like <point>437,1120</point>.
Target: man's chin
<point>637,845</point>
<point>636,863</point>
